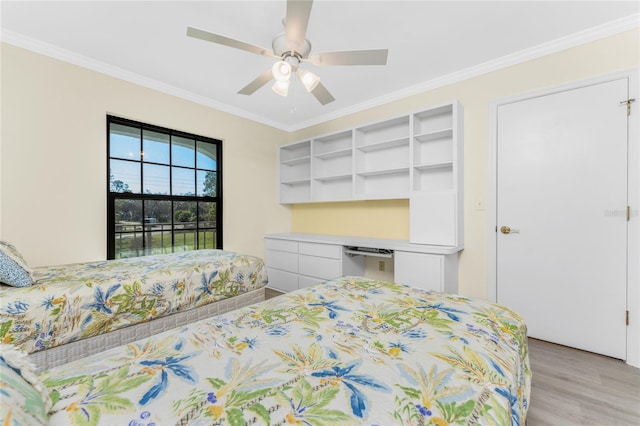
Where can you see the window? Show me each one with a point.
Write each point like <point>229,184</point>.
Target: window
<point>164,191</point>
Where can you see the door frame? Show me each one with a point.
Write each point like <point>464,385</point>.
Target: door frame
<point>633,199</point>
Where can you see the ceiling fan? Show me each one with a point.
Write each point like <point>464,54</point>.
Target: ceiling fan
<point>292,49</point>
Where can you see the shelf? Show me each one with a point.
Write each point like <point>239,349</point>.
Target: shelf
<point>429,136</point>
<point>334,154</point>
<point>431,166</point>
<point>384,171</point>
<point>384,145</point>
<point>335,177</point>
<point>296,181</point>
<point>342,141</point>
<point>296,151</point>
<point>294,161</point>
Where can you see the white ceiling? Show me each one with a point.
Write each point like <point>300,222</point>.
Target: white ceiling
<point>429,42</point>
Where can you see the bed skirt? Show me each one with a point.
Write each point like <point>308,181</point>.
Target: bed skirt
<point>63,354</point>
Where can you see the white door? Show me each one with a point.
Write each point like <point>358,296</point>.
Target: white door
<point>562,189</point>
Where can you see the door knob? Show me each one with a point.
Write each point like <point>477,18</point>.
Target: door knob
<point>507,230</point>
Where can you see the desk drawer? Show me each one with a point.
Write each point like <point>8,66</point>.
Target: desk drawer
<point>319,267</point>
<point>304,282</point>
<point>282,245</point>
<point>322,250</point>
<point>281,280</point>
<point>281,260</point>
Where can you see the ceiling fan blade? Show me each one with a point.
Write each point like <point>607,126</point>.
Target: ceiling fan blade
<point>296,22</point>
<point>262,79</point>
<point>353,57</point>
<point>322,94</point>
<point>226,41</point>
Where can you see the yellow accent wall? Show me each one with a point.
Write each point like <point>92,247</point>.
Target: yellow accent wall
<point>383,219</point>
<point>379,219</point>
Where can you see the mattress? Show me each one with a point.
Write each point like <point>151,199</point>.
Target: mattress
<point>349,351</point>
<point>71,302</point>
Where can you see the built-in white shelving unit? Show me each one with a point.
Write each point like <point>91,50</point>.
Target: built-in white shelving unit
<point>416,156</point>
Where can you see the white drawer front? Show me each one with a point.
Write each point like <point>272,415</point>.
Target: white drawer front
<point>308,281</point>
<point>319,267</point>
<point>282,260</point>
<point>322,250</point>
<point>281,280</point>
<point>282,245</point>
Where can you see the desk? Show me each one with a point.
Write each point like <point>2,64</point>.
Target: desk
<point>296,260</point>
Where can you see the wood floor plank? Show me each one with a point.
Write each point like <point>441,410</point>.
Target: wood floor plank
<point>576,388</point>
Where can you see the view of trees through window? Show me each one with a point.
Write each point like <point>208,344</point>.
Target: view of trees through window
<point>164,190</point>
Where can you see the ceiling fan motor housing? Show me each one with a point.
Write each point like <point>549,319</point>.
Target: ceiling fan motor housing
<point>285,48</point>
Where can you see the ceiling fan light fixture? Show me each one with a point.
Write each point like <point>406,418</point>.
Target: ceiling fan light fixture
<point>281,71</point>
<point>308,79</point>
<point>281,87</point>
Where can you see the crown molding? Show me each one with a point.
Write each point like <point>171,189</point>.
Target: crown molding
<point>592,34</point>
<point>576,39</point>
<point>68,56</point>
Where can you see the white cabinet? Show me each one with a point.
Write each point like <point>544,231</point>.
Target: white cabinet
<point>418,156</point>
<point>437,272</point>
<point>299,260</point>
<point>293,264</point>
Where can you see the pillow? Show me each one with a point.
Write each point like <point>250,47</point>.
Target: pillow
<point>25,400</point>
<point>13,269</point>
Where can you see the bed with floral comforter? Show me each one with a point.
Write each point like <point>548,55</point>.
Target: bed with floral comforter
<point>349,351</point>
<point>71,302</point>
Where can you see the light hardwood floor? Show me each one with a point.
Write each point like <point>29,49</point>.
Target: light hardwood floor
<point>571,387</point>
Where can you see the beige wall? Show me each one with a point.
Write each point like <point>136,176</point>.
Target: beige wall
<point>53,158</point>
<point>390,219</point>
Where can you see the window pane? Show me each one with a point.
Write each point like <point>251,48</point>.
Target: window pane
<point>128,215</point>
<point>185,216</point>
<point>156,179</point>
<point>207,183</point>
<point>155,147</point>
<point>157,215</point>
<point>157,242</point>
<point>128,245</point>
<point>124,142</point>
<point>207,215</point>
<point>206,158</point>
<point>124,176</point>
<point>183,181</point>
<point>128,228</point>
<point>207,239</point>
<point>182,152</point>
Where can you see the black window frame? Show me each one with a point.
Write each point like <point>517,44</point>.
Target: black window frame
<point>112,197</point>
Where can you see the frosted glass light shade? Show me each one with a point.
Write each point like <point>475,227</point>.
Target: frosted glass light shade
<point>308,79</point>
<point>281,87</point>
<point>281,71</point>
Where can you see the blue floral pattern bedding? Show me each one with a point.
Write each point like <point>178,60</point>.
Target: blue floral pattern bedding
<point>349,351</point>
<point>72,302</point>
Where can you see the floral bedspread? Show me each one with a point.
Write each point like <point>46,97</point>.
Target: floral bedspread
<point>75,301</point>
<point>349,351</point>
